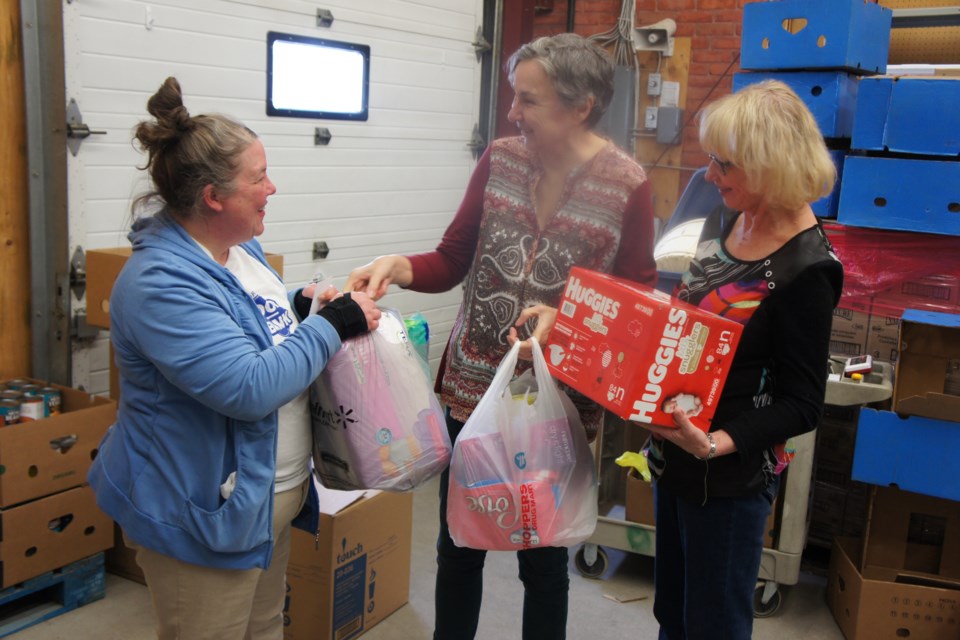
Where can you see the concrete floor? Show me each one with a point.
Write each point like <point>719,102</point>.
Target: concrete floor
<point>125,613</point>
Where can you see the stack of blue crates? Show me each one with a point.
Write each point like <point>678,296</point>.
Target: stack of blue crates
<point>821,49</point>
<point>896,142</point>
<point>904,169</point>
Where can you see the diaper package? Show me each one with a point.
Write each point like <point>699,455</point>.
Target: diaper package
<point>377,423</point>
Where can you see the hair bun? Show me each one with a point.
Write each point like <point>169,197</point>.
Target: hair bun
<point>181,120</point>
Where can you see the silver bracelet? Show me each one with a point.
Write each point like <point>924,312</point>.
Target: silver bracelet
<point>713,448</point>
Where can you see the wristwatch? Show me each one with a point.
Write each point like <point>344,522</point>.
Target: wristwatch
<point>713,449</point>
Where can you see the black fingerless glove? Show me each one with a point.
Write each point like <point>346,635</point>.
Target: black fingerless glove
<point>345,315</point>
<point>301,304</point>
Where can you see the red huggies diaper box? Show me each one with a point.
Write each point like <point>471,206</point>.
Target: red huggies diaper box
<point>639,352</point>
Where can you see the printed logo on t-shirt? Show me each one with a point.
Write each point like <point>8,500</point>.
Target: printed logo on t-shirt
<point>278,317</point>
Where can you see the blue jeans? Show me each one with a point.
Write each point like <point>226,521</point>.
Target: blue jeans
<point>459,587</point>
<point>707,563</point>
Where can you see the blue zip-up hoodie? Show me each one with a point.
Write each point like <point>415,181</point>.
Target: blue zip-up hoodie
<point>200,384</point>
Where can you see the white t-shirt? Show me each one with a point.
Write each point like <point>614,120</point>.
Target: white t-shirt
<point>294,440</point>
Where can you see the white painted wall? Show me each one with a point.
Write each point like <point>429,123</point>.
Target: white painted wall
<point>388,185</point>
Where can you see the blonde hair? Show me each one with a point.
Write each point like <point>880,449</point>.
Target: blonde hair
<point>767,130</point>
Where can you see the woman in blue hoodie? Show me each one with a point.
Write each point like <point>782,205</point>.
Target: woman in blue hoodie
<point>208,463</point>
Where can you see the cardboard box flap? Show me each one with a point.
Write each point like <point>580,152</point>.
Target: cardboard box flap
<point>938,406</point>
<point>333,501</point>
<point>929,341</point>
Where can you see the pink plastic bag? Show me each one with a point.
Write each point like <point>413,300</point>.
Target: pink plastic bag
<point>377,423</point>
<point>521,477</point>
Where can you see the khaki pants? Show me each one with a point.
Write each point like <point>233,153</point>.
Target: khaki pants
<point>200,603</point>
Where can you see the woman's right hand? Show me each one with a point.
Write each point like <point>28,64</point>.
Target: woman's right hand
<point>375,277</point>
<point>546,318</point>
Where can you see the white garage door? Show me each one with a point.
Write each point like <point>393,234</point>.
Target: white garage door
<point>387,185</point>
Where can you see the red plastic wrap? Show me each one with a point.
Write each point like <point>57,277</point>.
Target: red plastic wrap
<point>896,270</point>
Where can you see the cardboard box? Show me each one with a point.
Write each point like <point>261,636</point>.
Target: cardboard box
<point>848,332</point>
<point>355,571</point>
<point>876,603</point>
<point>913,533</point>
<point>49,455</point>
<point>929,342</point>
<point>633,349</point>
<point>639,500</point>
<point>900,194</point>
<point>906,115</point>
<point>122,560</point>
<point>913,453</point>
<point>883,335</point>
<point>831,96</point>
<point>828,206</point>
<point>49,533</point>
<point>816,34</point>
<point>928,292</point>
<point>103,267</point>
<point>838,510</point>
<point>837,437</point>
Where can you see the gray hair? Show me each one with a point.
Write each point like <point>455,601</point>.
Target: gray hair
<point>577,68</point>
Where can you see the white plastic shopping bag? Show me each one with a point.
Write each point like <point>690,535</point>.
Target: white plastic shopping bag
<point>521,475</point>
<point>377,423</point>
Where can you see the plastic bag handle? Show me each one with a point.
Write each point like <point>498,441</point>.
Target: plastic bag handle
<point>545,381</point>
<point>501,380</point>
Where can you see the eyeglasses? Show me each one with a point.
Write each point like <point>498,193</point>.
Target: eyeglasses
<point>723,165</point>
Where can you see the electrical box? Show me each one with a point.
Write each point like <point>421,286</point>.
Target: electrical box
<point>650,118</point>
<point>653,84</point>
<point>669,122</point>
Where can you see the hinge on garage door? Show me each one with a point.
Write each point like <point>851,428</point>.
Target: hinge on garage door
<point>77,132</point>
<point>79,329</point>
<point>480,44</point>
<point>78,272</point>
<point>477,143</point>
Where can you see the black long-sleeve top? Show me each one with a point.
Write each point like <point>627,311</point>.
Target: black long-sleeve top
<point>777,381</point>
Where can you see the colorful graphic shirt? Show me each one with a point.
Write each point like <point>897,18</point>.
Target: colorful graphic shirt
<point>777,380</point>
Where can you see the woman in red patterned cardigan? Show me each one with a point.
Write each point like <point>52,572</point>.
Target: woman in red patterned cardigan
<point>557,196</point>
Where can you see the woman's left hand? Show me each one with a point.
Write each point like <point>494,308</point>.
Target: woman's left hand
<point>686,435</point>
<point>546,318</point>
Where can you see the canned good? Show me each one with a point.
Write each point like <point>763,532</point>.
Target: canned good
<point>9,411</point>
<point>30,389</point>
<point>10,394</point>
<point>16,384</point>
<point>51,398</point>
<point>32,408</point>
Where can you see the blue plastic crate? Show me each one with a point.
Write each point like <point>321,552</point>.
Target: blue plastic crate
<point>908,115</point>
<point>915,454</point>
<point>831,96</point>
<point>51,594</point>
<point>835,34</point>
<point>901,194</point>
<point>829,205</point>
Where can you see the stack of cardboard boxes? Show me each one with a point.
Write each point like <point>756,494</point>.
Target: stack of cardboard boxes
<point>49,520</point>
